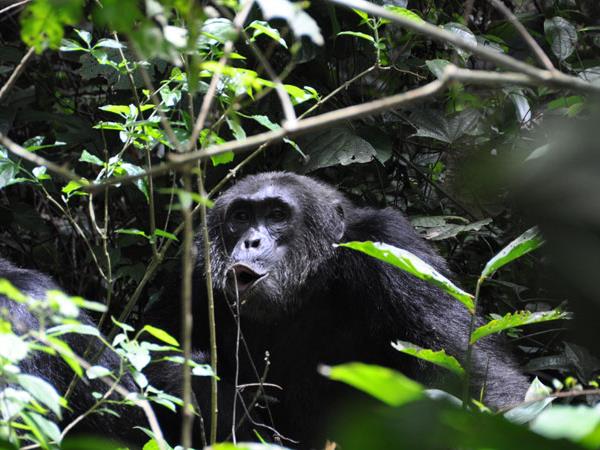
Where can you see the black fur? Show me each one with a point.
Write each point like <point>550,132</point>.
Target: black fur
<point>54,370</point>
<point>326,305</point>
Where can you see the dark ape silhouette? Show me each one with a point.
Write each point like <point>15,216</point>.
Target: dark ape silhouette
<point>306,302</point>
<point>55,371</point>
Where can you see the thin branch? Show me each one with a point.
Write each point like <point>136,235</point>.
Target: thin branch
<point>567,394</point>
<point>529,40</point>
<point>16,73</point>
<point>14,5</point>
<point>187,256</point>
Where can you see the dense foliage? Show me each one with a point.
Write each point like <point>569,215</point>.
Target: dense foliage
<point>119,121</point>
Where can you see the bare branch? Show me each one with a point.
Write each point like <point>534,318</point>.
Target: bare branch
<point>16,73</point>
<point>531,42</point>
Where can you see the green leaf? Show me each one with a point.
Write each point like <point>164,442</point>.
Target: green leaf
<point>527,242</point>
<point>260,27</point>
<point>120,16</point>
<point>437,66</point>
<point>161,335</point>
<point>69,45</point>
<point>8,170</point>
<point>363,15</point>
<point>67,354</point>
<point>439,357</point>
<point>338,145</point>
<point>517,319</point>
<point>385,384</point>
<point>222,158</point>
<point>42,21</point>
<point>412,264</point>
<point>10,291</point>
<point>132,231</point>
<point>406,13</point>
<point>446,128</point>
<point>109,43</point>
<point>42,391</point>
<point>97,372</point>
<point>85,36</point>
<point>12,347</point>
<point>73,187</point>
<point>39,173</point>
<point>531,408</point>
<point>122,110</point>
<point>165,234</point>
<point>89,158</point>
<point>464,34</point>
<point>43,427</point>
<point>78,328</point>
<point>576,423</point>
<point>562,36</point>
<point>358,35</point>
<point>140,183</point>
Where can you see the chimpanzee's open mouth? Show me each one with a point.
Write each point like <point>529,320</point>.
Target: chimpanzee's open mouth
<point>246,277</point>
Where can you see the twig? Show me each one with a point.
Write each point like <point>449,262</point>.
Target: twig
<point>187,256</point>
<point>567,394</point>
<point>531,42</point>
<point>16,73</point>
<point>14,5</point>
<point>211,315</point>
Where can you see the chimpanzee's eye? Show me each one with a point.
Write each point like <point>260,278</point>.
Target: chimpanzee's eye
<point>240,215</point>
<point>277,214</point>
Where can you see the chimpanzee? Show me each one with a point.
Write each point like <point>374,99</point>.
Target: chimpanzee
<point>54,370</point>
<point>303,302</point>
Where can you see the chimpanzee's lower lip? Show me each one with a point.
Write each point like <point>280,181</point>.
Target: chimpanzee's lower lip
<point>245,277</point>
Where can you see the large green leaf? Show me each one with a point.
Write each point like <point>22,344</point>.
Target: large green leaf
<point>517,319</point>
<point>42,391</point>
<point>528,241</point>
<point>562,36</point>
<point>578,423</point>
<point>385,384</point>
<point>412,264</point>
<point>439,358</point>
<point>42,21</point>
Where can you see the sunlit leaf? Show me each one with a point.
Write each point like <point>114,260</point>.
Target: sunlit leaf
<point>161,335</point>
<point>439,358</point>
<point>412,264</point>
<point>42,391</point>
<point>357,34</point>
<point>517,319</point>
<point>406,13</point>
<point>385,384</point>
<point>531,409</point>
<point>525,243</point>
